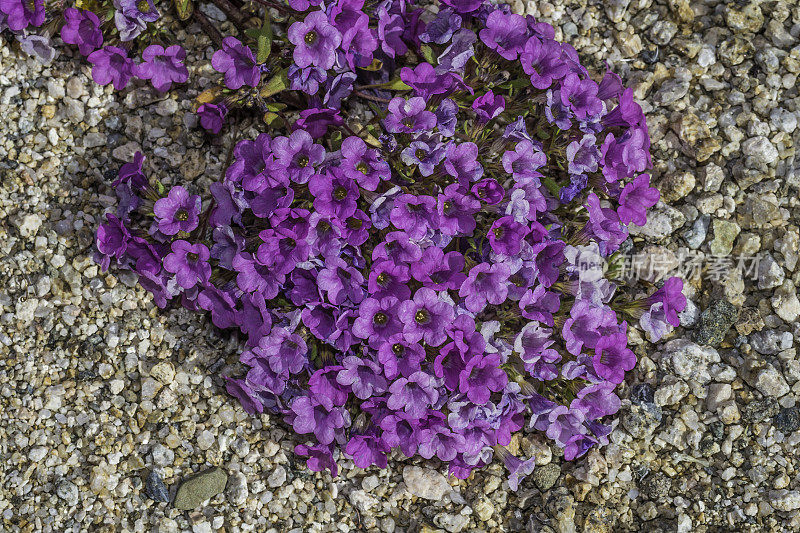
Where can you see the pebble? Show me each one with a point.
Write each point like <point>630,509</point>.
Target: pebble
<point>787,420</point>
<point>425,482</point>
<point>155,488</point>
<point>278,477</point>
<point>546,476</point>
<point>715,322</point>
<point>199,488</point>
<point>237,491</point>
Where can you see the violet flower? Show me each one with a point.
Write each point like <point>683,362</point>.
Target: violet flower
<point>163,66</point>
<point>111,65</point>
<point>237,62</point>
<point>179,211</point>
<point>82,28</point>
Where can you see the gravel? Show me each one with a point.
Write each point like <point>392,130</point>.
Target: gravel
<point>105,400</point>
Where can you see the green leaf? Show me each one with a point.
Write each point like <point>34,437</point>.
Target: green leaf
<point>427,53</point>
<point>552,186</point>
<point>264,40</point>
<point>184,8</point>
<point>396,85</point>
<point>276,84</point>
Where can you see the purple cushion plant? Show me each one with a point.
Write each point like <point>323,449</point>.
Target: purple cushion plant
<point>414,255</point>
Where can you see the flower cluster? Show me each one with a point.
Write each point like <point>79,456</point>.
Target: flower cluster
<point>162,65</point>
<point>418,255</point>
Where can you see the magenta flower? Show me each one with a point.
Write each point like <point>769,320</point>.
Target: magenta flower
<point>315,41</point>
<point>634,200</point>
<point>612,357</point>
<point>489,191</point>
<point>334,193</point>
<point>414,214</point>
<point>179,211</point>
<point>461,162</point>
<point>486,283</point>
<point>111,65</point>
<point>481,377</point>
<point>237,62</point>
<point>189,263</point>
<point>408,116</point>
<point>319,456</point>
<point>212,116</point>
<point>298,154</point>
<point>505,236</point>
<point>413,395</point>
<point>541,60</point>
<point>82,28</point>
<point>23,13</point>
<point>313,417</point>
<point>377,320</point>
<point>341,282</point>
<point>425,317</point>
<point>163,66</point>
<point>505,33</point>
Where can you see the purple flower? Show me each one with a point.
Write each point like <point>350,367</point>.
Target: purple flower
<point>439,440</point>
<point>541,60</point>
<point>586,324</point>
<point>144,10</point>
<point>111,64</point>
<point>488,106</point>
<point>362,164</point>
<point>334,194</point>
<point>539,304</point>
<point>316,121</point>
<point>426,82</point>
<point>489,191</point>
<point>461,50</point>
<point>581,96</point>
<point>298,154</point>
<point>414,214</point>
<point>604,223</point>
<point>377,321</point>
<point>424,153</point>
<point>237,62</point>
<point>557,113</point>
<point>425,316</point>
<point>313,417</point>
<point>82,28</point>
<point>414,394</point>
<point>398,356</point>
<point>447,117</point>
<point>505,236</point>
<point>564,424</point>
<point>387,278</point>
<point>363,376</point>
<point>37,46</point>
<point>397,247</point>
<point>486,283</point>
<point>390,31</point>
<point>315,41</point>
<point>341,282</point>
<point>367,450</point>
<point>524,160</point>
<point>189,263</point>
<point>246,396</point>
<point>517,468</point>
<point>438,270</point>
<point>625,156</point>
<point>163,66</point>
<point>179,211</point>
<point>628,114</point>
<point>461,162</point>
<point>583,155</point>
<point>612,357</point>
<point>533,344</point>
<point>112,240</point>
<point>464,6</point>
<point>505,33</point>
<point>634,200</point>
<point>441,29</point>
<point>597,400</point>
<point>457,211</point>
<point>408,116</point>
<point>481,377</point>
<point>221,305</point>
<point>212,116</point>
<point>671,297</point>
<point>319,456</point>
<point>285,351</point>
<point>281,250</point>
<point>306,79</point>
<point>129,20</point>
<point>23,13</point>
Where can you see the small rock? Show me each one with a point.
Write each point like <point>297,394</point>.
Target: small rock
<point>425,482</point>
<point>483,508</point>
<point>770,273</point>
<point>758,410</point>
<point>688,360</point>
<point>236,491</point>
<point>641,420</point>
<point>725,232</point>
<point>30,225</point>
<point>787,420</point>
<point>715,323</point>
<point>277,478</point>
<point>199,488</point>
<point>163,372</point>
<point>759,151</point>
<point>363,501</point>
<point>655,486</point>
<point>546,476</point>
<point>785,303</point>
<point>451,522</point>
<point>155,488</point>
<point>785,500</point>
<point>68,491</point>
<point>770,382</point>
